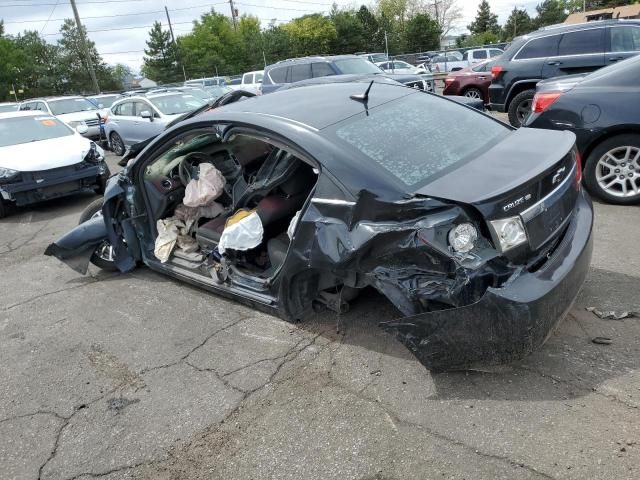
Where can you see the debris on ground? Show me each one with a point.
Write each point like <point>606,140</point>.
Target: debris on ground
<point>611,315</point>
<point>602,340</point>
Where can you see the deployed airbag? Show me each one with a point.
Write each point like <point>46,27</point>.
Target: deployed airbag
<point>242,231</point>
<point>206,188</point>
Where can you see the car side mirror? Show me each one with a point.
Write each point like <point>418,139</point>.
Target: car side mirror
<point>82,129</point>
<point>146,114</point>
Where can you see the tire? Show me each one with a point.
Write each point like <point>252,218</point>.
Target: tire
<point>519,106</point>
<point>116,143</point>
<point>4,208</point>
<point>98,258</point>
<point>473,93</point>
<point>615,157</point>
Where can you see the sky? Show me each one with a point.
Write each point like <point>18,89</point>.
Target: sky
<point>120,28</point>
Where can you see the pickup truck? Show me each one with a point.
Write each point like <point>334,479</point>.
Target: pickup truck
<point>470,57</point>
<point>251,82</point>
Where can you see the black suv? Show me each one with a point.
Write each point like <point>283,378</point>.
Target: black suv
<point>305,68</point>
<point>555,51</point>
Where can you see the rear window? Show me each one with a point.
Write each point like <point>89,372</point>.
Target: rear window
<point>582,42</point>
<point>418,136</point>
<point>540,48</point>
<point>278,75</point>
<point>480,54</point>
<point>14,131</point>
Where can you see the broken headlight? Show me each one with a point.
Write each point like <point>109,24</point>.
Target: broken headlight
<point>462,237</point>
<point>7,174</point>
<point>510,232</point>
<point>94,154</point>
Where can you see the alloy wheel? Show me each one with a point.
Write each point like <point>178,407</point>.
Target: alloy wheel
<point>618,171</point>
<point>472,93</point>
<point>117,145</point>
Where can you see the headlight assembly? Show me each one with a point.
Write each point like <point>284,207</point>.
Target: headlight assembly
<point>93,155</point>
<point>509,232</point>
<point>462,237</point>
<point>7,174</point>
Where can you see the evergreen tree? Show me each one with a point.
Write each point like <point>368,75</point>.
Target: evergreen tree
<point>423,33</point>
<point>372,32</point>
<point>350,33</point>
<point>485,21</point>
<point>518,23</point>
<point>550,12</point>
<point>160,60</point>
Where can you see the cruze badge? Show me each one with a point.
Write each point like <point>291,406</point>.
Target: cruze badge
<point>558,176</point>
<point>517,202</point>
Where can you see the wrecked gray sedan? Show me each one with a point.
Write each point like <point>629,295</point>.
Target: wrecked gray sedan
<point>479,234</point>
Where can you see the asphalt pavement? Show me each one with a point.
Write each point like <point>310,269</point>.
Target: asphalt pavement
<point>138,376</point>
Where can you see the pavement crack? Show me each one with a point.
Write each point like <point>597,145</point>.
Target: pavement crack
<point>55,292</point>
<point>194,349</point>
<point>111,471</point>
<point>23,243</point>
<point>33,414</point>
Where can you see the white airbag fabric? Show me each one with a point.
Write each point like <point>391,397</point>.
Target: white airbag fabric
<point>242,235</point>
<point>167,238</point>
<point>206,188</point>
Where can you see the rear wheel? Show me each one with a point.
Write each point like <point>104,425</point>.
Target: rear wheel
<point>520,107</point>
<point>612,171</point>
<point>117,145</point>
<point>473,93</point>
<point>4,208</point>
<point>103,255</point>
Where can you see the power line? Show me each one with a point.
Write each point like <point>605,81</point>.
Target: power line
<point>117,29</point>
<point>84,3</point>
<point>275,8</point>
<point>121,14</point>
<point>50,14</point>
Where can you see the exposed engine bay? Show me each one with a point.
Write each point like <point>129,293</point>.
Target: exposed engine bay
<point>232,205</point>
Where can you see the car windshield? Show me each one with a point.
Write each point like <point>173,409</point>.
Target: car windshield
<point>17,130</point>
<point>200,93</point>
<point>8,108</point>
<point>356,65</point>
<point>70,105</point>
<point>106,102</point>
<point>418,136</point>
<point>175,104</point>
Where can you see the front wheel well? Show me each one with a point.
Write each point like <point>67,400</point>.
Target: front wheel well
<point>520,87</point>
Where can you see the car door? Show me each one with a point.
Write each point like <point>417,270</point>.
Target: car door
<point>623,41</point>
<point>146,127</point>
<point>301,71</point>
<point>581,51</point>
<point>122,121</point>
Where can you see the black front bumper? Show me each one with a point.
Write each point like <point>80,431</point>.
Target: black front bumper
<point>35,187</point>
<point>509,322</point>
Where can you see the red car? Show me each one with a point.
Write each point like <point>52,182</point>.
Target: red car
<point>472,82</point>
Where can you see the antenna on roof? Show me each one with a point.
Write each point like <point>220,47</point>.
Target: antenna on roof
<point>364,98</point>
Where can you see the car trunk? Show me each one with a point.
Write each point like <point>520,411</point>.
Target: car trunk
<point>530,173</point>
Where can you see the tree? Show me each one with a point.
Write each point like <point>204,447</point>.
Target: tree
<point>478,39</point>
<point>350,33</point>
<point>446,12</point>
<point>518,23</point>
<point>1,28</point>
<point>423,33</point>
<point>311,35</point>
<point>485,20</point>
<point>160,60</point>
<point>372,32</point>
<point>550,12</point>
<point>71,69</point>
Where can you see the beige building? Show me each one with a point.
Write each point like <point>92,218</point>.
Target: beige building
<point>616,13</point>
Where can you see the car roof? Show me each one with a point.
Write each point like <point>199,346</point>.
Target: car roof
<point>571,27</point>
<point>317,106</point>
<point>310,59</point>
<point>24,113</point>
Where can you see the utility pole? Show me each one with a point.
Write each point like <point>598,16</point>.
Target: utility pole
<point>386,44</point>
<point>85,49</point>
<point>175,45</point>
<point>234,15</point>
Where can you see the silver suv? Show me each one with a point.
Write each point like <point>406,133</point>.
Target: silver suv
<point>74,111</point>
<point>134,119</point>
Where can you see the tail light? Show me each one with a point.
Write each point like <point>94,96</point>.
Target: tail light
<point>496,70</point>
<point>542,101</point>
<point>578,169</point>
<point>103,119</point>
<point>448,81</point>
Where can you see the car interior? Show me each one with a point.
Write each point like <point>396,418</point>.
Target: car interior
<point>260,177</point>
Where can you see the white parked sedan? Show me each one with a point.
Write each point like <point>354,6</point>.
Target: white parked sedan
<point>41,158</point>
<point>398,66</point>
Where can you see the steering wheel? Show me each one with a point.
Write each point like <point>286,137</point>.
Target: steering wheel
<point>188,167</point>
